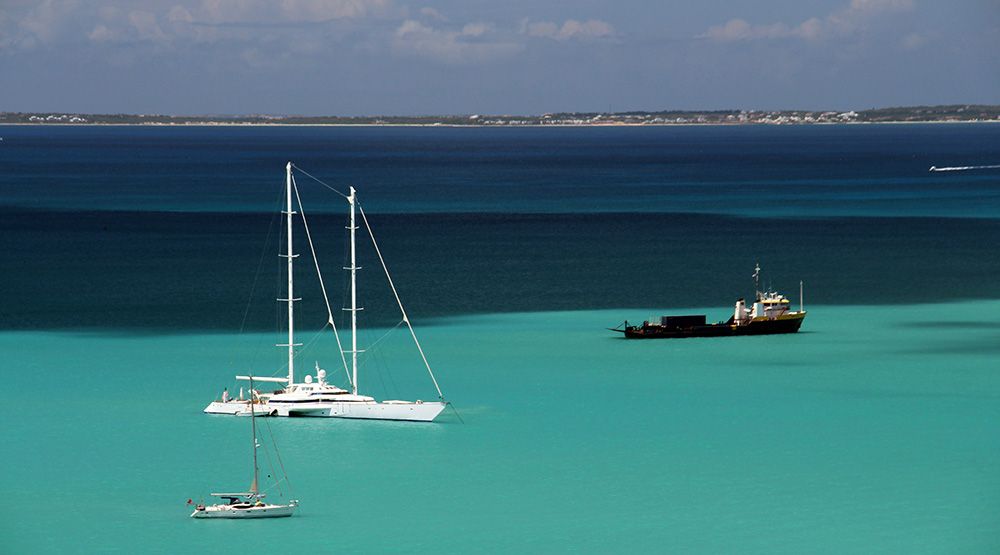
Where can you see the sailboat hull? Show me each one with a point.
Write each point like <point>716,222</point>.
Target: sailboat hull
<point>412,412</point>
<point>227,511</point>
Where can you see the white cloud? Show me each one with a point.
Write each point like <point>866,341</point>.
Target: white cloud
<point>43,23</point>
<point>28,24</point>
<point>570,29</point>
<point>179,14</point>
<point>285,11</point>
<point>474,43</point>
<point>145,26</point>
<point>255,31</point>
<point>101,33</point>
<point>431,13</point>
<point>325,10</point>
<point>738,29</point>
<point>475,29</point>
<point>842,22</point>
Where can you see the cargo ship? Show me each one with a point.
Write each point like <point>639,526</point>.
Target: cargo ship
<point>770,314</point>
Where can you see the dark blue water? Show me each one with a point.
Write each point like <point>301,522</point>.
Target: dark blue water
<point>788,171</point>
<point>164,228</point>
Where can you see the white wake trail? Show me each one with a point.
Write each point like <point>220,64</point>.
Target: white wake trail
<point>963,168</point>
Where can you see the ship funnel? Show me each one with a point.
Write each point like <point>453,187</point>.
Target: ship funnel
<point>740,314</point>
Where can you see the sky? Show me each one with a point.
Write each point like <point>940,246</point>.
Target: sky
<point>401,57</point>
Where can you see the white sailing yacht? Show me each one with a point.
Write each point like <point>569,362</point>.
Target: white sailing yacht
<point>248,504</point>
<point>314,396</point>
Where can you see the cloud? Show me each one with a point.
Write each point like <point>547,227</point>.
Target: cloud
<point>570,29</point>
<point>738,29</point>
<point>474,43</point>
<point>431,13</point>
<point>26,24</point>
<point>839,23</point>
<point>284,11</point>
<point>101,33</point>
<point>179,14</point>
<point>41,23</point>
<point>254,31</point>
<point>475,30</point>
<point>145,26</point>
<point>134,26</point>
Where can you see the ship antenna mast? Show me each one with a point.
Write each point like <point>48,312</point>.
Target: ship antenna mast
<point>756,280</point>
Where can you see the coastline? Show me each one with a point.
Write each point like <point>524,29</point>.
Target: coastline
<point>482,126</point>
<point>942,113</point>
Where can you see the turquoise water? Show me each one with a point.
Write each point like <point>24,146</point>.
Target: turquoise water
<point>871,431</point>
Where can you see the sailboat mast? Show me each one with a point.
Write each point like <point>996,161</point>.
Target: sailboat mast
<point>290,298</point>
<point>254,487</point>
<point>354,298</point>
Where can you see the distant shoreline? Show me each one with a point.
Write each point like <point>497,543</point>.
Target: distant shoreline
<point>482,126</point>
<point>955,113</point>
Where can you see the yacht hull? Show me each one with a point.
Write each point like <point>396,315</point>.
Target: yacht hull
<point>413,412</point>
<point>239,408</point>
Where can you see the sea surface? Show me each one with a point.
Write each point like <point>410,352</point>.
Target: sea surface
<point>140,273</point>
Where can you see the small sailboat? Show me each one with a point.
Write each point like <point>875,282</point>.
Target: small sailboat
<point>314,396</point>
<point>247,504</point>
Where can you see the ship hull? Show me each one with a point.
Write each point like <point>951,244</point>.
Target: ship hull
<point>785,324</point>
<point>412,412</point>
<point>403,411</point>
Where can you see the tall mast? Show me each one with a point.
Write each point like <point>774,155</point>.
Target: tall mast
<point>290,257</point>
<point>354,298</point>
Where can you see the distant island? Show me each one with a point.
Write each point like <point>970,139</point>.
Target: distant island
<point>908,114</point>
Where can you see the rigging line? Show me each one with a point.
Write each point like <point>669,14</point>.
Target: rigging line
<point>308,344</point>
<point>406,319</point>
<point>277,455</point>
<point>256,279</point>
<point>317,180</point>
<point>380,364</point>
<point>456,413</point>
<point>381,378</point>
<point>384,335</point>
<point>322,286</point>
<point>277,483</point>
<point>267,453</point>
<point>298,354</point>
<point>260,264</point>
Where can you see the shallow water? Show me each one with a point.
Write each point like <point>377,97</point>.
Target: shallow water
<point>872,430</point>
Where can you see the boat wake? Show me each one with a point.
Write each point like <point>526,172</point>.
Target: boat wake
<point>963,168</point>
